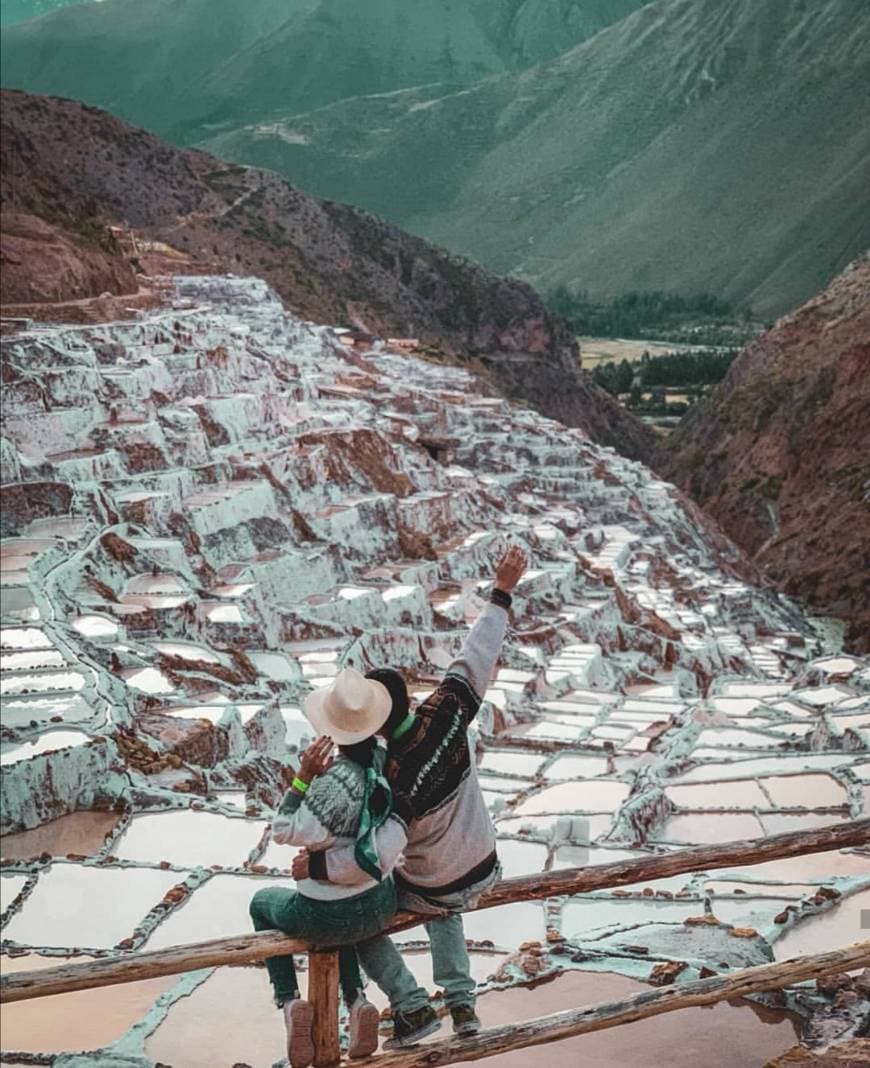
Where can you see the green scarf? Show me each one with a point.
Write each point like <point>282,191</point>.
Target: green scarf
<point>365,850</point>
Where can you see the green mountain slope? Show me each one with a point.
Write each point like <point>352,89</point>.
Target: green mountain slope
<point>718,145</point>
<point>12,11</point>
<point>175,66</point>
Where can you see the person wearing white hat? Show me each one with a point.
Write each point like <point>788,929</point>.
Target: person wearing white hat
<point>440,821</point>
<point>334,803</point>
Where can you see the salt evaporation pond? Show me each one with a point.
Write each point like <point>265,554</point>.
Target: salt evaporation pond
<point>80,832</point>
<point>92,908</point>
<point>322,538</point>
<point>189,839</point>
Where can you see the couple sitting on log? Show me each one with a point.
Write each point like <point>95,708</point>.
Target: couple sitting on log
<point>389,826</point>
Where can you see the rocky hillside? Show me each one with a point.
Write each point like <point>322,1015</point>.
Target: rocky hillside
<point>80,169</point>
<point>181,68</point>
<point>664,153</point>
<point>780,455</point>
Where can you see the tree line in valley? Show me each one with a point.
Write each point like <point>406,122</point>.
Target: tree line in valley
<point>696,369</point>
<point>701,318</point>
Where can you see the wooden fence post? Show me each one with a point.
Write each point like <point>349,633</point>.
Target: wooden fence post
<point>323,995</point>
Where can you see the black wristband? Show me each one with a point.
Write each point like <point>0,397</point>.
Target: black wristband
<point>502,599</point>
<point>317,866</point>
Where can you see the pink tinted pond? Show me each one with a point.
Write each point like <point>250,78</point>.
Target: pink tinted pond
<point>740,793</point>
<point>585,917</point>
<point>80,832</point>
<point>805,791</point>
<point>521,858</point>
<point>695,828</point>
<point>598,795</point>
<point>723,1036</point>
<point>82,1020</point>
<point>217,908</point>
<point>838,926</point>
<point>189,838</point>
<point>584,857</point>
<point>511,762</point>
<point>506,926</point>
<point>94,908</point>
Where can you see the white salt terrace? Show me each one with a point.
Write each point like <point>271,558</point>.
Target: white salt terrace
<point>289,525</point>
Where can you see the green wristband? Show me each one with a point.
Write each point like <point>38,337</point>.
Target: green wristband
<point>300,785</point>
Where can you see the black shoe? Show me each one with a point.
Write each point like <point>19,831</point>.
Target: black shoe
<point>410,1027</point>
<point>465,1021</point>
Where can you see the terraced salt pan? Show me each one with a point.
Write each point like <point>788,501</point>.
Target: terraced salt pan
<point>804,791</point>
<point>740,793</point>
<point>214,909</point>
<point>721,1036</point>
<point>740,769</point>
<point>779,823</point>
<point>510,762</point>
<point>95,627</point>
<point>521,858</point>
<point>94,908</point>
<point>84,1019</point>
<point>27,711</point>
<point>840,926</point>
<point>45,743</point>
<point>45,682</point>
<point>594,796</point>
<point>80,832</point>
<point>189,839</point>
<point>148,680</point>
<point>508,925</point>
<point>584,918</point>
<point>707,828</point>
<point>187,651</point>
<point>11,886</point>
<point>556,827</point>
<point>574,766</point>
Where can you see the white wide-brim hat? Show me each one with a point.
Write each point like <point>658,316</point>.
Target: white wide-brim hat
<point>351,709</point>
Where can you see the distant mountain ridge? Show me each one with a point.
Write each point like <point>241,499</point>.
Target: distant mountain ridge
<point>179,68</point>
<point>78,169</point>
<point>696,145</point>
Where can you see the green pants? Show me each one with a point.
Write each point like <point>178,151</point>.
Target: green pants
<point>340,923</point>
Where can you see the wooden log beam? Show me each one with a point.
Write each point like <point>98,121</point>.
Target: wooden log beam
<point>323,995</point>
<point>560,1025</point>
<point>247,949</point>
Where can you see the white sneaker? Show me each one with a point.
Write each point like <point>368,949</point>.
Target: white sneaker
<point>298,1018</point>
<point>365,1020</point>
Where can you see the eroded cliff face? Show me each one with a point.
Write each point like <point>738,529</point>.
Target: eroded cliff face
<point>780,454</point>
<point>80,169</point>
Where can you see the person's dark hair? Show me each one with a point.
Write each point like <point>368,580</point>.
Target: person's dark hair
<point>398,691</point>
<point>361,753</point>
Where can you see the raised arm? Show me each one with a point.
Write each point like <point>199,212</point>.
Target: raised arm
<point>295,822</point>
<point>480,651</point>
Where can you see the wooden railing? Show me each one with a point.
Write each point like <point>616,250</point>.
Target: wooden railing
<point>323,966</point>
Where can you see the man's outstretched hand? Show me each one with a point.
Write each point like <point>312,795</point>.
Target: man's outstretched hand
<point>300,867</point>
<point>510,569</point>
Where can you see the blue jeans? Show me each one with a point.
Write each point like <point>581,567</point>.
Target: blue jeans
<point>323,923</point>
<point>451,967</point>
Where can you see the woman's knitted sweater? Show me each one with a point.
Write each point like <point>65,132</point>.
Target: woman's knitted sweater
<point>326,817</point>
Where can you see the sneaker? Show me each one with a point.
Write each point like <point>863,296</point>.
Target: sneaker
<point>363,1026</point>
<point>410,1027</point>
<point>298,1018</point>
<point>465,1020</point>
